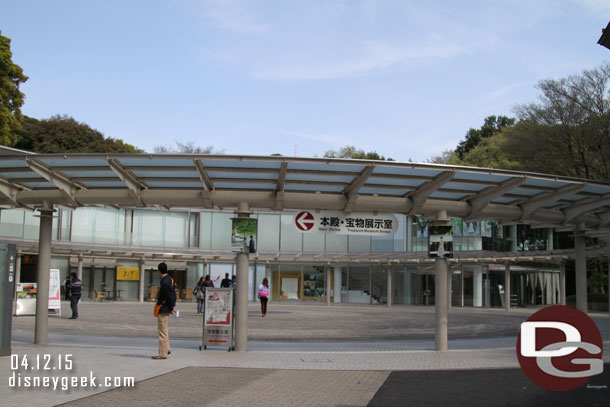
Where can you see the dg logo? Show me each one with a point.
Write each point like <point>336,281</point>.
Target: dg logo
<point>559,348</point>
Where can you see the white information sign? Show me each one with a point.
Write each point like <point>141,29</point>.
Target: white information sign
<point>54,290</point>
<point>218,318</point>
<point>340,223</point>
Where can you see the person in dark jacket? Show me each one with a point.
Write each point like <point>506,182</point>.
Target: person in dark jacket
<point>199,292</point>
<point>167,301</point>
<point>226,282</point>
<point>207,282</point>
<point>66,289</point>
<point>75,288</point>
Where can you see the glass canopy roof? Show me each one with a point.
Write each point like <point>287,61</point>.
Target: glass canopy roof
<point>283,183</point>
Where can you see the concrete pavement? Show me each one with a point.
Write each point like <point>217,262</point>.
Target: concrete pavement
<point>305,354</point>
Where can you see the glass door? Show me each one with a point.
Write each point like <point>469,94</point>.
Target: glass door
<point>314,287</point>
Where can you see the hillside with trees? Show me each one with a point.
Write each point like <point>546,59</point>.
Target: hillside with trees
<point>63,134</point>
<point>566,133</point>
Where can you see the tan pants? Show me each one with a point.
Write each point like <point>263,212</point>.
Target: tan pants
<point>163,334</point>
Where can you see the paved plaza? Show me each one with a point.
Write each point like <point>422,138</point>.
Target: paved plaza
<point>300,354</point>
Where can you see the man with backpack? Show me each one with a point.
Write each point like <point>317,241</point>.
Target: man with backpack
<point>166,301</point>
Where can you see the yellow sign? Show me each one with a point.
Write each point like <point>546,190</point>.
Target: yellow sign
<point>128,273</point>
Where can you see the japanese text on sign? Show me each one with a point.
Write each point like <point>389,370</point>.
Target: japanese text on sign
<point>340,223</point>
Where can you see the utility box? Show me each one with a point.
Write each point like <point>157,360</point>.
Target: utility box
<point>7,289</point>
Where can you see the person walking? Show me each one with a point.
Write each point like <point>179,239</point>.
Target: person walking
<point>200,294</point>
<point>207,283</point>
<point>75,287</point>
<point>263,295</point>
<point>166,301</point>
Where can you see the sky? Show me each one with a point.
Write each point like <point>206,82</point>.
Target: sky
<point>406,79</point>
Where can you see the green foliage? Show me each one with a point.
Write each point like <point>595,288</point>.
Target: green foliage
<point>598,282</point>
<point>591,297</point>
<point>490,152</point>
<point>245,227</point>
<point>492,126</point>
<point>11,98</point>
<point>353,152</point>
<point>63,134</point>
<point>568,133</point>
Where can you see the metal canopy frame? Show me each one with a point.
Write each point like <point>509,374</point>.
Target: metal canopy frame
<point>282,183</point>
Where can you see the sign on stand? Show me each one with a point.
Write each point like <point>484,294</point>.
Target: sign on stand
<point>26,295</point>
<point>218,318</point>
<point>55,290</point>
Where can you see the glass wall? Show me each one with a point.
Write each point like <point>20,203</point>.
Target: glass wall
<point>359,244</point>
<point>313,242</point>
<point>336,243</point>
<point>217,228</point>
<point>314,284</point>
<point>379,285</point>
<point>530,239</point>
<point>276,233</point>
<point>456,288</point>
<point>291,240</point>
<point>268,232</point>
<point>161,228</point>
<point>535,288</point>
<point>403,284</point>
<point>288,282</point>
<point>11,223</point>
<point>359,285</point>
<point>98,225</point>
<point>176,229</point>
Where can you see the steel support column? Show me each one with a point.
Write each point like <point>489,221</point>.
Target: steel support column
<point>449,286</point>
<point>390,287</point>
<point>241,291</point>
<point>337,285</point>
<point>440,298</point>
<point>42,274</point>
<point>581,268</point>
<point>328,286</point>
<point>141,285</point>
<point>507,286</point>
<point>79,270</point>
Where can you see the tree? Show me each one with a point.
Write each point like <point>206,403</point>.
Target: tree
<point>63,134</point>
<point>570,127</point>
<point>11,98</point>
<point>353,152</point>
<point>186,148</point>
<point>491,126</point>
<point>490,152</point>
<point>443,158</point>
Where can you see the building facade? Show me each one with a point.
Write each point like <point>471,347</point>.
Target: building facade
<point>352,269</point>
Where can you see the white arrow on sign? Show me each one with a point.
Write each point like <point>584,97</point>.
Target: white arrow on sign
<point>304,221</point>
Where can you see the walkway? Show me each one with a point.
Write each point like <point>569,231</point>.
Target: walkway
<point>298,355</point>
